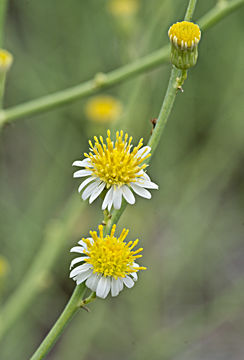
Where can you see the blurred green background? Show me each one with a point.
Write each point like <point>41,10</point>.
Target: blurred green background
<point>189,303</point>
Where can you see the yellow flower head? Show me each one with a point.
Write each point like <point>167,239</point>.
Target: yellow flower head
<point>103,109</point>
<point>185,35</point>
<point>113,163</point>
<point>6,60</point>
<point>108,262</point>
<point>123,7</point>
<point>115,167</point>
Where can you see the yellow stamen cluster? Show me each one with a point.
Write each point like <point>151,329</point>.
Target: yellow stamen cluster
<point>185,35</point>
<point>111,256</point>
<point>6,60</point>
<point>103,109</point>
<point>114,163</point>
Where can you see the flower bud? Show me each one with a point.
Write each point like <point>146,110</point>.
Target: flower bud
<point>184,37</point>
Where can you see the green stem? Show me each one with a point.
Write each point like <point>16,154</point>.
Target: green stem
<point>74,302</point>
<point>139,66</point>
<point>158,131</point>
<point>165,110</point>
<point>219,12</point>
<point>70,309</point>
<point>87,88</point>
<point>190,10</point>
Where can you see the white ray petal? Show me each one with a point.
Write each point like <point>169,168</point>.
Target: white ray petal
<point>92,282</point>
<point>120,284</point>
<point>76,260</point>
<point>77,249</point>
<point>85,182</point>
<point>146,184</point>
<point>103,287</point>
<point>82,163</point>
<point>114,287</point>
<point>110,203</point>
<point>128,282</point>
<point>89,190</point>
<point>135,276</point>
<point>97,192</point>
<point>82,243</point>
<point>145,176</point>
<point>82,173</point>
<point>83,276</point>
<point>79,269</point>
<point>140,173</point>
<point>141,191</point>
<point>117,198</point>
<point>108,198</point>
<point>128,194</point>
<point>145,149</point>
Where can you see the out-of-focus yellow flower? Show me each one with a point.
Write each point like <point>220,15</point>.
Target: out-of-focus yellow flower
<point>103,109</point>
<point>123,7</point>
<point>6,60</point>
<point>4,266</point>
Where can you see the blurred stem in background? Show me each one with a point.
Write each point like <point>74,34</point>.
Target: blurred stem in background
<point>3,9</point>
<point>208,20</point>
<point>34,281</point>
<point>74,303</point>
<point>104,81</point>
<point>71,308</point>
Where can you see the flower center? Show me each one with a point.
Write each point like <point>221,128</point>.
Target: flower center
<point>111,256</point>
<point>114,163</point>
<point>185,34</point>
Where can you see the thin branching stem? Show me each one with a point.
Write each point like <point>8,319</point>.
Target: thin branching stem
<point>166,108</point>
<point>190,10</point>
<point>71,308</point>
<point>3,8</point>
<point>104,81</point>
<point>35,279</point>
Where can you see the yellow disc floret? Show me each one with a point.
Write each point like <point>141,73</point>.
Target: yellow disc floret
<point>111,256</point>
<point>115,163</point>
<point>185,35</point>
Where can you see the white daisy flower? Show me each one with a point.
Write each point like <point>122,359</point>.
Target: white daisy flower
<point>116,168</point>
<point>106,263</point>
